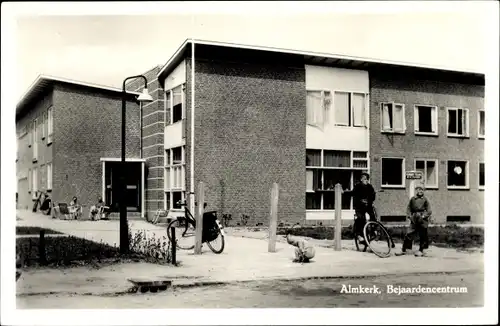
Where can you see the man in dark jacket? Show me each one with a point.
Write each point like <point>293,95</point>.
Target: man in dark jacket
<point>418,212</point>
<point>363,197</point>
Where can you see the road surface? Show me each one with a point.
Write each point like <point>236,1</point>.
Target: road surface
<point>290,294</point>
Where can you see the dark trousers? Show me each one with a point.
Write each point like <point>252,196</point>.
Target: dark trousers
<point>421,230</point>
<point>360,221</point>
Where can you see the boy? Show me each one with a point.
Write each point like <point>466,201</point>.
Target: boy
<point>363,197</point>
<point>419,212</point>
<point>304,251</point>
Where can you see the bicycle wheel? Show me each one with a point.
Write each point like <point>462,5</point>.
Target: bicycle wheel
<point>378,239</point>
<point>184,234</point>
<point>217,245</point>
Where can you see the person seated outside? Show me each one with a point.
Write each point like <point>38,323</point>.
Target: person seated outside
<point>99,211</point>
<point>363,198</point>
<point>46,206</point>
<point>74,208</point>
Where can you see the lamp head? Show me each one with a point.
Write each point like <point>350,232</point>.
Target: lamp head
<point>145,97</point>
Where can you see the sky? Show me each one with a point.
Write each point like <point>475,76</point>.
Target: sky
<point>104,49</point>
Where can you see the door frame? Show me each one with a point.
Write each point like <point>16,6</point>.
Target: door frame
<point>117,159</point>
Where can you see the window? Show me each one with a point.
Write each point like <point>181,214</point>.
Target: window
<point>49,176</point>
<point>458,174</point>
<point>30,181</point>
<point>318,107</point>
<point>174,176</point>
<point>35,140</point>
<point>481,125</point>
<point>30,136</point>
<point>43,125</point>
<point>177,105</point>
<point>176,199</point>
<point>326,168</point>
<point>426,120</point>
<point>50,125</point>
<point>393,117</point>
<point>35,180</point>
<point>350,109</point>
<point>481,176</point>
<point>429,169</point>
<point>393,172</point>
<point>458,122</point>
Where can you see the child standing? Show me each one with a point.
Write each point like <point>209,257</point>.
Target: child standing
<point>419,212</point>
<point>304,251</point>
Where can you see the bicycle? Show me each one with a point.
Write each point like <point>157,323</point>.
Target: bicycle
<point>375,236</point>
<point>185,226</point>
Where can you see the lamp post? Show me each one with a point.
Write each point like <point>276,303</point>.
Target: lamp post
<point>142,98</point>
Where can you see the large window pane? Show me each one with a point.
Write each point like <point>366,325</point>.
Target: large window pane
<point>481,123</point>
<point>337,159</point>
<point>177,104</point>
<point>342,108</point>
<point>431,174</point>
<point>358,103</point>
<point>313,200</point>
<point>177,155</point>
<point>314,108</point>
<point>481,174</point>
<point>452,121</point>
<point>313,157</point>
<point>176,198</point>
<point>392,171</point>
<point>387,117</point>
<point>457,173</point>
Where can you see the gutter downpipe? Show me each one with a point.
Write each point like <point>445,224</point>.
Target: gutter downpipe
<point>192,186</point>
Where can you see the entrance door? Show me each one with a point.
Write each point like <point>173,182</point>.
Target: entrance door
<point>133,184</point>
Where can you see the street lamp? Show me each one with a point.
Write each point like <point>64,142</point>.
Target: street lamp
<point>142,98</point>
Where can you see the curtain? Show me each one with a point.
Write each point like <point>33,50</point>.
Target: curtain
<point>309,180</point>
<point>341,103</point>
<point>358,103</point>
<point>337,158</point>
<point>398,119</point>
<point>314,108</point>
<point>386,116</point>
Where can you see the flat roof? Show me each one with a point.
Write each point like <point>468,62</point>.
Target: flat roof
<point>44,82</point>
<point>310,58</point>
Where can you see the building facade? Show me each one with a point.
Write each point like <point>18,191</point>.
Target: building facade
<point>308,121</point>
<point>68,143</point>
<point>240,118</point>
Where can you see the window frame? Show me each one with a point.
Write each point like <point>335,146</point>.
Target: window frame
<point>50,125</point>
<point>467,175</point>
<point>167,180</point>
<point>403,171</point>
<point>322,168</point>
<point>467,122</point>
<point>435,120</point>
<point>392,131</point>
<point>351,109</point>
<point>325,110</point>
<point>479,135</point>
<point>49,176</point>
<point>481,187</point>
<point>35,140</point>
<point>425,160</point>
<point>183,103</point>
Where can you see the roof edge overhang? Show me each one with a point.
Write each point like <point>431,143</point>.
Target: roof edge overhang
<point>358,62</point>
<point>45,82</point>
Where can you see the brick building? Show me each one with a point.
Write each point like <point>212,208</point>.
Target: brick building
<point>68,139</point>
<point>309,121</point>
<point>244,117</point>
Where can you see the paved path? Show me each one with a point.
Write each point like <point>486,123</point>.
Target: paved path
<point>243,259</point>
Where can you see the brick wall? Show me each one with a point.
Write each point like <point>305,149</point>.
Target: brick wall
<point>153,124</point>
<point>87,127</point>
<point>249,132</point>
<point>410,146</point>
<point>25,163</point>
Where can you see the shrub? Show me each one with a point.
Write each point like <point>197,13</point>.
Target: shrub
<point>70,250</point>
<point>35,230</point>
<point>443,236</point>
